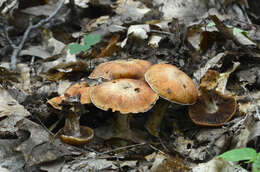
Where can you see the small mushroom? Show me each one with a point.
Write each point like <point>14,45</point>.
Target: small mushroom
<point>131,68</point>
<point>126,97</point>
<point>212,108</point>
<point>81,89</point>
<point>173,85</point>
<point>214,111</point>
<point>55,102</point>
<point>71,104</point>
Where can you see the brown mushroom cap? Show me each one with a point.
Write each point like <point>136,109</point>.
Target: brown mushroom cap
<point>123,95</point>
<point>132,68</point>
<point>171,84</point>
<point>201,115</point>
<point>86,135</point>
<point>81,89</point>
<point>55,102</point>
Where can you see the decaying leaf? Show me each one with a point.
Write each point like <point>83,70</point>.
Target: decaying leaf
<point>164,163</point>
<point>6,76</point>
<point>184,10</point>
<point>130,9</point>
<point>111,47</point>
<point>154,41</point>
<point>64,70</point>
<point>8,6</point>
<point>249,103</point>
<point>210,64</point>
<point>44,10</point>
<point>249,76</point>
<point>138,32</point>
<point>9,106</point>
<point>217,165</point>
<point>38,148</point>
<point>80,3</point>
<point>90,163</point>
<point>207,39</point>
<point>218,81</point>
<point>95,23</point>
<point>223,78</point>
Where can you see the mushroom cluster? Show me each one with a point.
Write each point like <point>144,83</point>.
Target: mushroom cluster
<point>121,94</point>
<point>124,92</point>
<point>129,87</point>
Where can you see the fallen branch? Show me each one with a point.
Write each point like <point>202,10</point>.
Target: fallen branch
<point>18,48</point>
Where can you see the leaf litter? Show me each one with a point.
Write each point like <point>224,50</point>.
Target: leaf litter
<point>220,36</point>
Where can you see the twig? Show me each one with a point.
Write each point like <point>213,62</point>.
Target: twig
<point>160,151</point>
<point>18,48</point>
<point>118,149</point>
<point>163,145</point>
<point>33,73</point>
<point>10,42</point>
<point>161,32</point>
<point>42,125</point>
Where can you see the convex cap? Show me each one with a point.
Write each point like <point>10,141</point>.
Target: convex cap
<point>171,84</point>
<point>81,89</point>
<point>123,95</point>
<point>132,68</point>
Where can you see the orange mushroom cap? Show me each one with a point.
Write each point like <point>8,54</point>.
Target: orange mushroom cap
<point>81,89</point>
<point>55,102</point>
<point>202,115</point>
<point>171,84</point>
<point>123,95</point>
<point>131,68</point>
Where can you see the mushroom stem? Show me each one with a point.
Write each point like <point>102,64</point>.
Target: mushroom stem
<point>72,126</point>
<point>122,122</point>
<point>124,131</point>
<point>153,124</point>
<point>210,103</point>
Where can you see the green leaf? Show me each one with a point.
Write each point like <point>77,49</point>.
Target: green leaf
<point>256,164</point>
<point>76,48</point>
<point>211,24</point>
<point>90,39</point>
<point>239,154</point>
<point>237,30</point>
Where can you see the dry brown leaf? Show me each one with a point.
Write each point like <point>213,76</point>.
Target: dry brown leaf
<point>111,47</point>
<point>64,70</point>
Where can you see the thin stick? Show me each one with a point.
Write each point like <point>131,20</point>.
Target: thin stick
<point>118,149</point>
<point>18,48</point>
